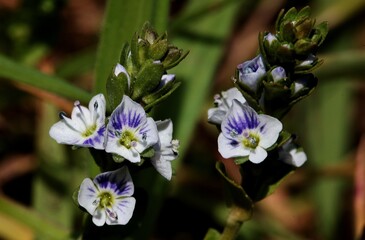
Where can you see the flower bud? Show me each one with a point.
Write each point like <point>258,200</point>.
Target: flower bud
<point>250,73</point>
<point>117,85</point>
<point>147,79</point>
<point>278,74</point>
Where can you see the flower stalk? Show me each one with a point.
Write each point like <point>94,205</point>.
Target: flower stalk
<point>237,216</point>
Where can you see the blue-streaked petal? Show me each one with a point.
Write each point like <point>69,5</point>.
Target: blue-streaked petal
<point>127,114</point>
<point>229,147</point>
<point>87,196</point>
<point>269,130</point>
<point>118,181</point>
<point>240,117</point>
<point>124,208</point>
<point>147,135</point>
<point>257,155</point>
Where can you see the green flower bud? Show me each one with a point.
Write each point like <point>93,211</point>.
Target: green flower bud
<point>147,79</point>
<point>158,50</point>
<point>117,85</point>
<point>174,57</point>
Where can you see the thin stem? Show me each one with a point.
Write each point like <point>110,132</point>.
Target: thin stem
<point>235,220</point>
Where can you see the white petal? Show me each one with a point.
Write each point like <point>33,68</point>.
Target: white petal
<point>230,148</point>
<point>97,109</point>
<point>124,208</point>
<point>298,158</point>
<point>234,93</point>
<point>164,129</point>
<point>268,129</point>
<point>216,115</point>
<point>162,166</point>
<point>113,146</point>
<point>99,217</point>
<point>258,155</point>
<point>88,195</point>
<point>81,118</point>
<point>63,133</point>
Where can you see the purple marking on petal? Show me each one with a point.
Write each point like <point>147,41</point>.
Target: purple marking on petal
<point>233,143</point>
<point>119,186</point>
<point>89,142</point>
<point>262,128</point>
<point>91,189</point>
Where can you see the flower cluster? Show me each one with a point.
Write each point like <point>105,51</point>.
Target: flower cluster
<point>128,136</point>
<point>266,87</point>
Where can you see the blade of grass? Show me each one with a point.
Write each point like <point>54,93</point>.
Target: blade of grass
<point>40,224</point>
<point>24,74</point>
<point>349,63</point>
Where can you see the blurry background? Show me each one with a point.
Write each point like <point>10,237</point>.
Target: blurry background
<point>325,199</point>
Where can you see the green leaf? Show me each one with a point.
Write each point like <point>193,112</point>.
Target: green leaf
<point>24,74</point>
<point>237,194</point>
<point>260,180</point>
<point>212,234</point>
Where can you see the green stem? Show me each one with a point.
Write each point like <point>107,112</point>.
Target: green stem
<point>236,218</point>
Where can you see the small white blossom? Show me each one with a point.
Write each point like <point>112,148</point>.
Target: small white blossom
<point>223,102</point>
<point>130,131</point>
<point>108,198</point>
<point>246,133</point>
<point>166,149</point>
<point>292,155</point>
<point>251,72</point>
<point>85,128</point>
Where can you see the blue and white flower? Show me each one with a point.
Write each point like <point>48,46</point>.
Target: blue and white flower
<point>223,102</point>
<point>251,72</point>
<point>130,131</point>
<point>166,149</point>
<point>108,198</point>
<point>246,133</point>
<point>85,128</point>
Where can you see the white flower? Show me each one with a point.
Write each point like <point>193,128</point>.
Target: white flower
<point>130,131</point>
<point>292,155</point>
<point>165,149</point>
<point>108,198</point>
<point>86,127</point>
<point>251,72</point>
<point>223,103</point>
<point>246,133</point>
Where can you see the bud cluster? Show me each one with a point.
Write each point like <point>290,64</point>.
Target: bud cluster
<point>281,74</point>
<point>142,73</point>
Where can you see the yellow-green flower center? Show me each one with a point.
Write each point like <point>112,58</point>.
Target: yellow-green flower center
<point>106,199</point>
<point>251,141</point>
<point>127,138</point>
<point>89,131</point>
